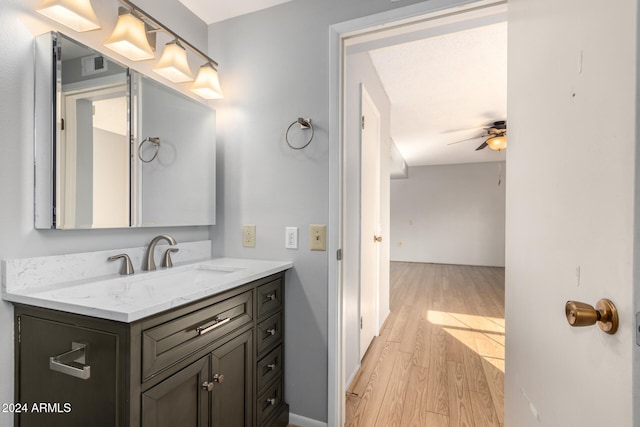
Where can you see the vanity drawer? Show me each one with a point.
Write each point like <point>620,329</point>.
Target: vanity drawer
<point>269,368</point>
<point>268,402</point>
<point>170,342</point>
<point>269,298</point>
<point>269,333</point>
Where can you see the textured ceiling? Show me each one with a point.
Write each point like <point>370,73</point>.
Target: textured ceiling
<point>218,10</point>
<point>445,89</point>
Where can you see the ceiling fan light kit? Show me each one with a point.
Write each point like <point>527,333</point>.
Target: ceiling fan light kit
<point>496,134</point>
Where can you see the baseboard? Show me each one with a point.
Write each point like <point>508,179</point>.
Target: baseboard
<point>353,377</point>
<point>298,420</point>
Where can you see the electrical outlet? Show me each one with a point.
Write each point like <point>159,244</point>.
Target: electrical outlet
<point>249,236</point>
<point>291,237</point>
<point>318,237</point>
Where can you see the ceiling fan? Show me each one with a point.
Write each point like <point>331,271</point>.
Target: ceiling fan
<point>496,137</point>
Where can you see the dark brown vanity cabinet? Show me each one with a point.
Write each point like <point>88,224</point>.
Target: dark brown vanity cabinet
<point>217,362</point>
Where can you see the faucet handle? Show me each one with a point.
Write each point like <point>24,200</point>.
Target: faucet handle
<point>127,267</point>
<point>166,260</point>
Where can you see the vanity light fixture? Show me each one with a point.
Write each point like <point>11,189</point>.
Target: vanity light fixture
<point>207,84</point>
<point>129,38</point>
<point>173,64</point>
<point>75,14</point>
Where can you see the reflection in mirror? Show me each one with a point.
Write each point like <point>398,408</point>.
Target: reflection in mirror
<point>175,184</point>
<point>91,117</point>
<point>92,150</point>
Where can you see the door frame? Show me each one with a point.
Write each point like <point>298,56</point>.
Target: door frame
<point>339,35</point>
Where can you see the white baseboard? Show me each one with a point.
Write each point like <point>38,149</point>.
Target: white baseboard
<point>298,420</point>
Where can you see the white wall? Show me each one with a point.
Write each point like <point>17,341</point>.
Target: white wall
<point>572,211</point>
<point>18,27</point>
<point>359,69</point>
<point>449,214</point>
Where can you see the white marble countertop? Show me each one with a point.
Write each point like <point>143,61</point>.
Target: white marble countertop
<point>130,298</point>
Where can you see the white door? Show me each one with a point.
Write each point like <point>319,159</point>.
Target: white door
<point>370,220</point>
<point>572,109</point>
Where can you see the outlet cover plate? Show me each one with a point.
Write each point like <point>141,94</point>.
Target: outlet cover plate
<point>249,236</point>
<point>291,237</point>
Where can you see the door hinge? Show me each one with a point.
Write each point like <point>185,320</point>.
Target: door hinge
<point>363,122</point>
<point>361,323</point>
<point>638,328</point>
<point>339,254</point>
<point>62,124</point>
<point>19,331</point>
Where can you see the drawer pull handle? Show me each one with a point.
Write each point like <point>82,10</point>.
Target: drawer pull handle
<point>207,386</point>
<point>270,297</point>
<point>219,378</point>
<point>72,362</point>
<point>271,401</point>
<point>204,329</point>
<point>271,331</point>
<point>271,366</point>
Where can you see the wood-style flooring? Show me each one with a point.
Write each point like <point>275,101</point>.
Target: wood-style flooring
<point>439,359</point>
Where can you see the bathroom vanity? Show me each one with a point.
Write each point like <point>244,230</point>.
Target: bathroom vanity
<point>201,345</point>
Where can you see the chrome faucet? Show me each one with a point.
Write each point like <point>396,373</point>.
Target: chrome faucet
<point>149,263</point>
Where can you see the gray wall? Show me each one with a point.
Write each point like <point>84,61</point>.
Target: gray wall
<point>275,68</point>
<point>18,27</point>
<point>450,214</point>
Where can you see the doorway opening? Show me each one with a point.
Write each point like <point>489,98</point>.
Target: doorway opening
<point>362,37</point>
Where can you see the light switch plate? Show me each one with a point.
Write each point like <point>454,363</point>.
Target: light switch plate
<point>318,237</point>
<point>249,236</point>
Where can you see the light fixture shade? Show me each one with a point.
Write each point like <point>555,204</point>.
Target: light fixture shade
<point>173,64</point>
<point>129,38</point>
<point>497,143</point>
<point>75,14</point>
<point>207,84</point>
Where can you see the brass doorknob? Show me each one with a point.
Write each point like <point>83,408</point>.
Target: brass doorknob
<point>581,314</point>
<point>377,238</point>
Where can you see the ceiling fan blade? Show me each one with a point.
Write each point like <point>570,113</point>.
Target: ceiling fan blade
<point>483,145</point>
<point>463,140</point>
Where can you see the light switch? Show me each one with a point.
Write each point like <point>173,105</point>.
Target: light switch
<point>249,236</point>
<point>318,237</point>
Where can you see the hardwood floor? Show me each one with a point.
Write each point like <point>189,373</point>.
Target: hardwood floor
<point>439,359</point>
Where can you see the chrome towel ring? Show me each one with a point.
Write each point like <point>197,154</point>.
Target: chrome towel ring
<point>304,124</point>
<point>156,145</point>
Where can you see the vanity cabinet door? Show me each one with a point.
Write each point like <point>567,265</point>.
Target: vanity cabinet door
<point>180,400</point>
<point>232,397</point>
<point>67,392</point>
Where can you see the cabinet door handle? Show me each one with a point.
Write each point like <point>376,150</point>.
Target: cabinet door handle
<point>271,401</point>
<point>271,366</point>
<point>271,331</point>
<point>270,297</point>
<point>201,330</point>
<point>72,362</point>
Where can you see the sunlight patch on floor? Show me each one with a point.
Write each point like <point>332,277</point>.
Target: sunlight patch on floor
<point>482,334</point>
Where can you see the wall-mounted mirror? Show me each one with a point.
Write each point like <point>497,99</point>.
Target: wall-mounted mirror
<point>115,148</point>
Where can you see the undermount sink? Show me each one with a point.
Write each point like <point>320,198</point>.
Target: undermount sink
<point>173,281</point>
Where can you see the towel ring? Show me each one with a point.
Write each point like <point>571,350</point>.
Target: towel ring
<point>304,124</point>
<point>156,144</point>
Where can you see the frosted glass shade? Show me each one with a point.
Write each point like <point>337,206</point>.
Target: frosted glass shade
<point>207,84</point>
<point>173,64</point>
<point>75,14</point>
<point>129,39</point>
<point>497,143</point>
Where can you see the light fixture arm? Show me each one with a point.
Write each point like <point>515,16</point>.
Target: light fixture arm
<point>160,27</point>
